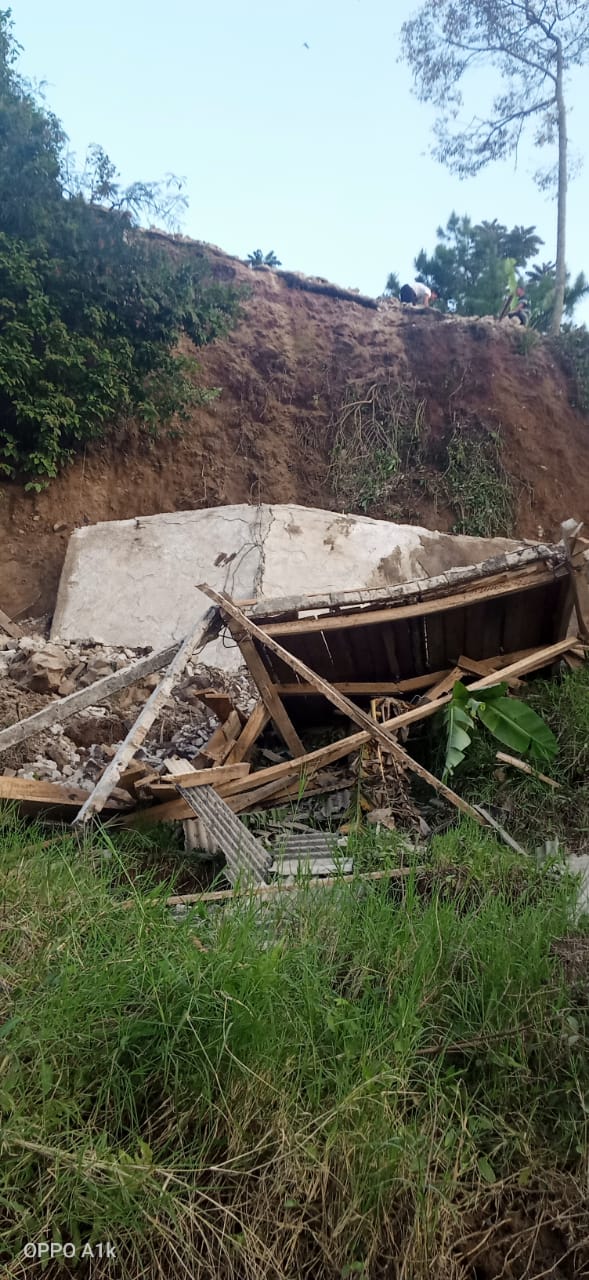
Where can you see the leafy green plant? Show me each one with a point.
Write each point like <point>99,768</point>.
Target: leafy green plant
<point>260,259</point>
<point>92,308</point>
<point>476,483</point>
<point>511,721</point>
<point>572,346</point>
<point>378,434</point>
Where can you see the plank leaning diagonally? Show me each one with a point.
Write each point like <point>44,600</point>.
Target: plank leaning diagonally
<point>205,630</point>
<point>269,781</point>
<point>341,702</point>
<point>91,696</point>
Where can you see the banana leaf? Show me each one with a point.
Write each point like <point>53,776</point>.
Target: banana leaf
<point>518,727</point>
<point>458,723</point>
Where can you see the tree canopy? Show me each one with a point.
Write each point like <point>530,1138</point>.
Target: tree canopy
<point>91,306</point>
<point>532,46</point>
<point>473,267</point>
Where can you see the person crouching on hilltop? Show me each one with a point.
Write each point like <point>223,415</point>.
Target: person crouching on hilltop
<point>417,294</point>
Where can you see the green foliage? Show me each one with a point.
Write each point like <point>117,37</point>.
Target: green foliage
<point>573,348</point>
<point>474,267</point>
<point>91,308</point>
<point>378,435</point>
<point>260,259</point>
<point>512,722</point>
<point>203,1109</point>
<point>532,810</point>
<point>392,287</point>
<point>476,484</point>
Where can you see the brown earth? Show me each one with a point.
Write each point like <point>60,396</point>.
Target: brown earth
<point>283,373</point>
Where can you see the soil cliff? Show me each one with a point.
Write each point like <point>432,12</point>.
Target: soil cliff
<point>332,400</point>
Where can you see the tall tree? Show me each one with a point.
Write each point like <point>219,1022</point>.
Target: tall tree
<point>532,44</point>
<point>473,265</point>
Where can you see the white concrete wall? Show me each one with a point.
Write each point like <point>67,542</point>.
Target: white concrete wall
<point>133,582</point>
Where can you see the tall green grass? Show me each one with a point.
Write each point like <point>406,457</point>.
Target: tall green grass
<point>339,1086</point>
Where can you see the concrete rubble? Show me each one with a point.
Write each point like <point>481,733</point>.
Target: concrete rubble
<point>79,750</point>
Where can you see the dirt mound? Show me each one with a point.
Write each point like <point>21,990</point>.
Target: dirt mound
<point>285,373</point>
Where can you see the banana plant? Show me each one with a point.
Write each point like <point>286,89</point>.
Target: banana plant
<point>512,722</point>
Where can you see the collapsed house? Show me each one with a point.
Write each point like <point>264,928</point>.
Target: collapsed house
<point>386,658</point>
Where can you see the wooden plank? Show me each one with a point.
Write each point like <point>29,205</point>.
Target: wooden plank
<point>421,608</point>
<point>306,765</point>
<point>524,767</point>
<point>580,588</point>
<point>201,777</point>
<point>92,696</point>
<point>270,890</point>
<point>487,667</point>
<point>206,629</point>
<point>11,628</point>
<point>50,794</point>
<point>249,735</point>
<point>366,688</point>
<point>376,731</point>
<point>220,744</point>
<point>279,716</point>
<point>445,685</point>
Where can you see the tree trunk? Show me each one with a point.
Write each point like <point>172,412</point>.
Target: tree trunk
<point>558,307</point>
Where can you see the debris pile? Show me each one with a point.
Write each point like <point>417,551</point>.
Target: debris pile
<point>186,754</point>
<point>34,673</point>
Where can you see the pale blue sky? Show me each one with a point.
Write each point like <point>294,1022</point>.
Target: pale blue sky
<point>319,153</point>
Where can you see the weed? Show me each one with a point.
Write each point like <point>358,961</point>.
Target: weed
<point>476,483</point>
<point>573,349</point>
<point>343,1088</point>
<point>528,340</point>
<point>379,433</point>
<point>532,810</point>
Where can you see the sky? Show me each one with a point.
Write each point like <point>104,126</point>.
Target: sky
<point>320,153</point>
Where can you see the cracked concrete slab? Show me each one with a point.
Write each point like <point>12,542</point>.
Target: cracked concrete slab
<point>132,582</point>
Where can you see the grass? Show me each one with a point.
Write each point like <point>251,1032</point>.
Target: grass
<point>534,811</point>
<point>359,1082</point>
<point>476,484</point>
<point>378,435</point>
<point>572,347</point>
<point>383,456</point>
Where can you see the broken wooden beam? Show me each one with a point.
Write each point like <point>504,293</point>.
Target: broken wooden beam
<point>276,710</point>
<point>254,726</point>
<point>205,630</point>
<point>92,696</point>
<point>378,732</point>
<point>365,688</point>
<point>220,744</point>
<point>35,795</point>
<point>11,628</point>
<point>271,890</point>
<point>199,778</point>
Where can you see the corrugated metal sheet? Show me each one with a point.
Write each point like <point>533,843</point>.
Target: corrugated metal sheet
<point>246,857</point>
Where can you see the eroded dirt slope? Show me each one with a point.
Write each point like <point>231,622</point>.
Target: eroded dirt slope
<point>283,374</point>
